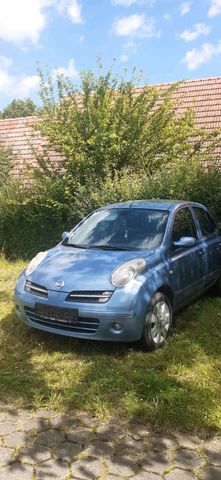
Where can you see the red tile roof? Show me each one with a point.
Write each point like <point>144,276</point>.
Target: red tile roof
<point>22,138</point>
<point>203,95</point>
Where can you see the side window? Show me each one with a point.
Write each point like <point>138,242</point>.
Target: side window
<point>184,225</point>
<point>207,225</point>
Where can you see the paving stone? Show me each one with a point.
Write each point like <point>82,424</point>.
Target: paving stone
<point>188,459</point>
<point>64,422</point>
<point>110,433</point>
<point>67,451</point>
<point>146,476</point>
<point>7,427</point>
<point>52,470</point>
<point>87,469</point>
<point>213,451</point>
<point>99,449</point>
<point>155,462</point>
<point>212,473</point>
<point>6,456</point>
<point>35,454</point>
<point>17,439</point>
<point>50,438</point>
<point>187,440</point>
<point>178,474</point>
<point>45,413</point>
<point>88,421</point>
<point>17,472</point>
<point>139,430</point>
<point>3,416</point>
<point>161,443</point>
<point>122,466</point>
<point>111,477</point>
<point>33,424</point>
<point>129,445</point>
<point>22,415</point>
<point>8,414</point>
<point>80,435</point>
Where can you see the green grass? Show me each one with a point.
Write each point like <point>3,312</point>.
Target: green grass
<point>178,386</point>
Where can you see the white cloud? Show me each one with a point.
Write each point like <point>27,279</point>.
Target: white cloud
<point>23,86</point>
<point>26,85</point>
<point>135,25</point>
<point>185,8</point>
<point>196,57</point>
<point>5,80</point>
<point>24,20</point>
<point>12,86</point>
<point>70,8</point>
<point>124,58</point>
<point>69,71</point>
<point>215,8</point>
<point>128,3</point>
<point>21,20</point>
<point>5,62</point>
<point>82,38</point>
<point>167,16</point>
<point>199,29</point>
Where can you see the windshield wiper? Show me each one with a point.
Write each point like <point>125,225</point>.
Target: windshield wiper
<point>110,247</point>
<point>100,247</point>
<point>75,245</point>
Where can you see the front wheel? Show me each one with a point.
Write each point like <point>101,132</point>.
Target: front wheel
<point>158,322</point>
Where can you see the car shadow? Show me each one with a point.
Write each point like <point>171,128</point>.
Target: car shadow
<point>38,369</point>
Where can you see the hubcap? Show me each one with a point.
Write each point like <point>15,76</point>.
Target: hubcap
<point>160,322</point>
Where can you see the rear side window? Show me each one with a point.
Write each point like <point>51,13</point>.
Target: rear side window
<point>207,225</point>
<point>184,225</point>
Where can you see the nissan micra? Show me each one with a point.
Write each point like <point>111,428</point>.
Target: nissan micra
<point>122,272</point>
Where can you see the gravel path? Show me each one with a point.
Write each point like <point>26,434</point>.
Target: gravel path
<point>46,446</point>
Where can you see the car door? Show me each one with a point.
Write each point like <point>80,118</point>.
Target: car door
<point>211,241</point>
<point>186,263</point>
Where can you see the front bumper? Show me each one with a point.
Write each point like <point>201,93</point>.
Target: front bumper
<point>126,308</point>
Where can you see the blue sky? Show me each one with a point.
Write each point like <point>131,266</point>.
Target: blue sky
<point>168,39</point>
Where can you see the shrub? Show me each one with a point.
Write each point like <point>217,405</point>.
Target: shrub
<point>115,146</point>
<point>5,164</point>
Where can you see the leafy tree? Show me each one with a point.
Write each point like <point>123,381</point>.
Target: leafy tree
<point>19,108</point>
<point>5,164</point>
<point>106,125</point>
<point>117,142</point>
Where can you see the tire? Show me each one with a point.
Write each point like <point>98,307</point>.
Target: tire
<point>157,324</point>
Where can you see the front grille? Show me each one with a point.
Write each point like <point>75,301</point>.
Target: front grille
<point>85,325</point>
<point>36,289</point>
<point>90,296</point>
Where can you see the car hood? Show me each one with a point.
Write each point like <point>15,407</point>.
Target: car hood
<point>81,269</point>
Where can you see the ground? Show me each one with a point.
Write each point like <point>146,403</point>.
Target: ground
<point>177,387</point>
<point>84,410</point>
<point>45,445</point>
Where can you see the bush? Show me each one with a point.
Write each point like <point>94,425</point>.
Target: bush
<point>5,164</point>
<point>28,225</point>
<point>115,146</point>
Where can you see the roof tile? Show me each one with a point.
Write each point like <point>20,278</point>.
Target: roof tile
<point>204,95</point>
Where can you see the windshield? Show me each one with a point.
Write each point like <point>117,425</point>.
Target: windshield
<point>120,228</point>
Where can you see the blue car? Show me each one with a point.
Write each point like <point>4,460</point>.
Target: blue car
<point>122,272</point>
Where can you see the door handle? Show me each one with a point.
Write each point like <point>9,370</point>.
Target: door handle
<point>202,252</point>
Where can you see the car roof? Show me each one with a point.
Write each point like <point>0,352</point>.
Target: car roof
<point>152,204</point>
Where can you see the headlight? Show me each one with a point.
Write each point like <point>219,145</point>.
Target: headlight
<point>35,262</point>
<point>126,272</point>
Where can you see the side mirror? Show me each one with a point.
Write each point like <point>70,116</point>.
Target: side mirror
<point>185,242</point>
<point>65,235</point>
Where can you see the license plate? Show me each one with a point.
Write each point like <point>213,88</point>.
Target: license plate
<point>57,314</point>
